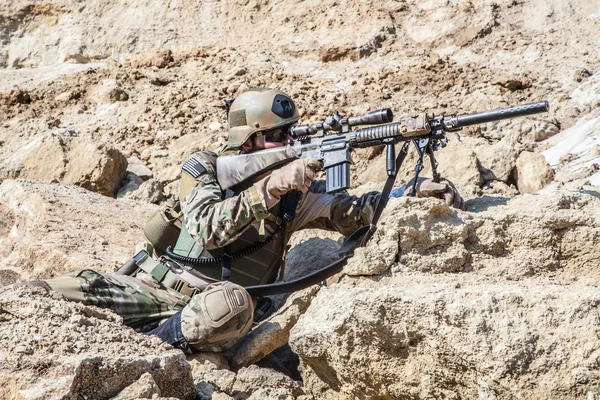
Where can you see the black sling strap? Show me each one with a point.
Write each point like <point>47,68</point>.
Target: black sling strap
<point>227,256</point>
<point>357,239</point>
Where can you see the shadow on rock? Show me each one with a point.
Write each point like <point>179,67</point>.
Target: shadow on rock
<point>484,203</point>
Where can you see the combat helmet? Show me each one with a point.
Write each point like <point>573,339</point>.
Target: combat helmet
<point>259,110</point>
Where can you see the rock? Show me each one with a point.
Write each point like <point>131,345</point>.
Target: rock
<point>498,161</point>
<point>73,223</point>
<point>211,374</point>
<point>311,250</point>
<point>132,183</point>
<point>96,360</point>
<point>274,331</point>
<point>532,172</point>
<point>99,169</point>
<point>261,383</point>
<point>144,388</point>
<point>151,191</point>
<point>158,58</point>
<point>370,261</point>
<point>73,160</point>
<point>408,319</point>
<point>44,158</point>
<point>499,187</point>
<point>137,167</point>
<point>216,360</point>
<point>459,163</point>
<point>107,91</point>
<point>215,126</point>
<point>502,337</point>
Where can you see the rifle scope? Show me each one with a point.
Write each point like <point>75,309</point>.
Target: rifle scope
<point>382,116</point>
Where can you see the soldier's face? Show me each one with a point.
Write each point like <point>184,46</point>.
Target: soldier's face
<point>259,143</point>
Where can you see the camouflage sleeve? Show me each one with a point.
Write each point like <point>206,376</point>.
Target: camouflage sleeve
<point>215,222</point>
<point>339,212</point>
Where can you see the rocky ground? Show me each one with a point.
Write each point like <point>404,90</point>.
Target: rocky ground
<point>100,103</point>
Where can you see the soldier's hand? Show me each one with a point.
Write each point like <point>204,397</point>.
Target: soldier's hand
<point>444,190</point>
<point>297,175</point>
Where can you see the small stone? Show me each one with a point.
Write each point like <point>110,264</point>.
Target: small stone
<point>240,72</point>
<point>215,126</point>
<point>135,166</point>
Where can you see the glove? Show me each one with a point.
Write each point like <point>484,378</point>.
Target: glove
<point>297,175</point>
<point>444,190</point>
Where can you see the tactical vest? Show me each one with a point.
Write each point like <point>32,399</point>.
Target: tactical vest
<point>256,256</point>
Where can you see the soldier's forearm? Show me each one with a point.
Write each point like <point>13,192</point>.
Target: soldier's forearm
<point>348,213</point>
<point>214,222</point>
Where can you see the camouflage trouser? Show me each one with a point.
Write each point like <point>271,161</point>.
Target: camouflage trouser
<point>211,321</point>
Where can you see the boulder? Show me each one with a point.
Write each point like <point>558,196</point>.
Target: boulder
<point>532,172</point>
<point>151,191</point>
<point>99,169</point>
<point>137,167</point>
<point>144,388</point>
<point>106,92</point>
<point>491,300</point>
<point>274,331</point>
<point>427,337</point>
<point>73,160</point>
<point>83,351</point>
<point>155,58</point>
<point>497,161</point>
<point>47,230</point>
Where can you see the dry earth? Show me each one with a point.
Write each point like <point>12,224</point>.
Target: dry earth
<point>100,102</point>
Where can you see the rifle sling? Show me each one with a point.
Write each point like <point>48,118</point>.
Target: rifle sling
<point>346,251</point>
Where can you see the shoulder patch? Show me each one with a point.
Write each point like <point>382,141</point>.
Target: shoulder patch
<point>193,167</point>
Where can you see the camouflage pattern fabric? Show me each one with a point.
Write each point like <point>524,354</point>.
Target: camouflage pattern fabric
<point>210,321</point>
<point>141,301</point>
<point>215,222</point>
<point>218,317</point>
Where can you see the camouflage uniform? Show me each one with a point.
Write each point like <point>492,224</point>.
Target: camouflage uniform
<point>214,222</point>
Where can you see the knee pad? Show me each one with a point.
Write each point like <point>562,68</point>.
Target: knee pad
<point>218,317</point>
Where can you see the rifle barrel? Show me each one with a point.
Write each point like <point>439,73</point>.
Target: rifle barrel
<point>502,113</point>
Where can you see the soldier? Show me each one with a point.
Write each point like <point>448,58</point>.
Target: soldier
<point>199,306</point>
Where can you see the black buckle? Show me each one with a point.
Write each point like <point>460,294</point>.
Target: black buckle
<point>140,257</point>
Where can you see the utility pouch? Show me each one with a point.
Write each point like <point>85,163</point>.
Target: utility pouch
<point>162,230</point>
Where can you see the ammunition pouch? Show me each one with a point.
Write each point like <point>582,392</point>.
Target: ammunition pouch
<point>167,273</point>
<point>163,228</point>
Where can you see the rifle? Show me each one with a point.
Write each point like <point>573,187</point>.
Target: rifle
<point>333,139</point>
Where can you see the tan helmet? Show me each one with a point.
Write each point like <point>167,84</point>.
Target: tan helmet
<point>259,110</point>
